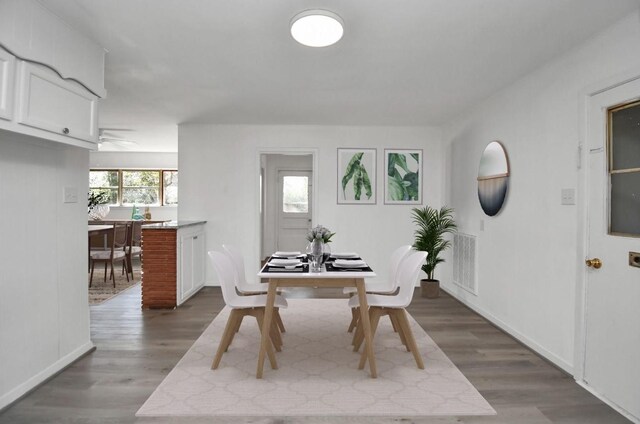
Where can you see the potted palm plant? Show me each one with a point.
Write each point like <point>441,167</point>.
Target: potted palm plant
<point>432,224</point>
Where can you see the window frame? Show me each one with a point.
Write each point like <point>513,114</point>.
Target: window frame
<point>610,169</point>
<point>120,188</point>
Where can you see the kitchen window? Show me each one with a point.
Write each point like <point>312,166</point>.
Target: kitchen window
<point>141,187</point>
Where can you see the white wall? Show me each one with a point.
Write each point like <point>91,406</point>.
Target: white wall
<point>44,312</point>
<point>272,163</point>
<point>137,160</point>
<point>219,183</point>
<point>528,254</point>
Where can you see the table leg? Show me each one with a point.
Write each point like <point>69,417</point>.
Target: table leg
<point>366,327</point>
<point>266,325</point>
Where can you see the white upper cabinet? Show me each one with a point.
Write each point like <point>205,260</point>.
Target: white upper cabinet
<point>7,71</point>
<point>51,76</point>
<point>52,104</point>
<point>30,31</point>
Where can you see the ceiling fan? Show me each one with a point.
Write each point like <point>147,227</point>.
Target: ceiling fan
<point>111,136</point>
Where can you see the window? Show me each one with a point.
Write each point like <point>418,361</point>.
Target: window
<point>624,169</point>
<point>105,181</point>
<point>135,186</point>
<point>140,188</point>
<point>295,194</point>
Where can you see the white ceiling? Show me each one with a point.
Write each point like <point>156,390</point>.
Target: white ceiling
<point>405,62</point>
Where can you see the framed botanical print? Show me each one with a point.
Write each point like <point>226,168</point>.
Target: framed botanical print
<point>356,176</point>
<point>403,176</point>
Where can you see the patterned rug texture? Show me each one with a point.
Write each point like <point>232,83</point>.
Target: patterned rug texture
<point>317,373</point>
<point>101,291</point>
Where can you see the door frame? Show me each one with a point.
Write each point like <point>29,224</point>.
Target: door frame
<point>586,97</point>
<point>258,166</point>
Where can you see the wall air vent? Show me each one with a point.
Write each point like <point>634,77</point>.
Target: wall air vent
<point>464,262</point>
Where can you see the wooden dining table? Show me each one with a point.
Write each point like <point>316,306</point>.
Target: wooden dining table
<point>317,279</point>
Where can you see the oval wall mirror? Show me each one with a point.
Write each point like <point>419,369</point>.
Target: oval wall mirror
<point>493,178</point>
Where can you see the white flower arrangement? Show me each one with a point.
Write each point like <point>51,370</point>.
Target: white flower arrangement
<point>320,233</point>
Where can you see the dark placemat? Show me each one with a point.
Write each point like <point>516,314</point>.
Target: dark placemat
<point>330,268</point>
<point>297,270</point>
<point>344,259</point>
<point>303,258</point>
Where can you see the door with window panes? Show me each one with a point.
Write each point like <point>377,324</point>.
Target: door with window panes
<point>294,210</point>
<point>612,307</point>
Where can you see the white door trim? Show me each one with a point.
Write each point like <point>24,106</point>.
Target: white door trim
<point>258,165</point>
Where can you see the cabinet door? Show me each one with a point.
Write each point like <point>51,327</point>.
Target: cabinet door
<point>50,103</point>
<point>198,260</point>
<point>186,266</point>
<point>7,69</point>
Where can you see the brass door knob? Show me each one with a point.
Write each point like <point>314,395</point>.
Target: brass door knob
<point>594,263</point>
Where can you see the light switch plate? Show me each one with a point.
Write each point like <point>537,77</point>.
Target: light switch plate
<point>568,196</point>
<point>70,195</point>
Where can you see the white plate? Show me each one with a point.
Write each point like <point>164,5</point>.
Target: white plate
<point>285,262</point>
<point>345,255</point>
<point>339,263</point>
<point>287,254</point>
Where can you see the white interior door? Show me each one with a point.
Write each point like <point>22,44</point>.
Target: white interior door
<point>612,327</point>
<point>294,209</point>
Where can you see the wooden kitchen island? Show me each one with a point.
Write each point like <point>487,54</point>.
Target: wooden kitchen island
<point>173,262</point>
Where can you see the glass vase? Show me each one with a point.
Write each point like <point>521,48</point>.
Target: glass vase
<point>315,251</point>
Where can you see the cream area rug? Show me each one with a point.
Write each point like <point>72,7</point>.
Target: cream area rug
<point>317,373</point>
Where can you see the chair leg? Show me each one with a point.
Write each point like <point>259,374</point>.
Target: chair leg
<point>223,341</point>
<point>278,320</point>
<point>238,322</point>
<point>393,324</point>
<point>406,328</point>
<point>270,354</point>
<point>355,313</point>
<point>374,315</point>
<point>93,265</point>
<point>274,333</point>
<point>113,275</point>
<point>105,271</point>
<point>394,321</point>
<point>358,337</point>
<point>126,268</point>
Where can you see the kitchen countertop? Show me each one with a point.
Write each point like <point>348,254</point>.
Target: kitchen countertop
<point>172,225</point>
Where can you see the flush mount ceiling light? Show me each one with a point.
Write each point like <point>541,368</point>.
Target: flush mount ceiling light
<point>317,28</point>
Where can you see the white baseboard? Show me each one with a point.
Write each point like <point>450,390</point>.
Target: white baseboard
<point>556,360</point>
<point>618,409</point>
<point>24,388</point>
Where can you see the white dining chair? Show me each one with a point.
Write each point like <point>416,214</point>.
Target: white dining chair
<point>242,306</point>
<point>386,287</point>
<point>394,306</point>
<point>242,285</point>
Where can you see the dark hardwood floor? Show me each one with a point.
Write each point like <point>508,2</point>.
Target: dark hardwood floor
<point>136,349</point>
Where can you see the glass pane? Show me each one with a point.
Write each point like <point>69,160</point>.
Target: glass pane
<point>140,178</point>
<point>112,192</point>
<point>625,203</point>
<point>295,194</point>
<point>103,179</point>
<point>170,181</point>
<point>625,137</point>
<point>140,196</point>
